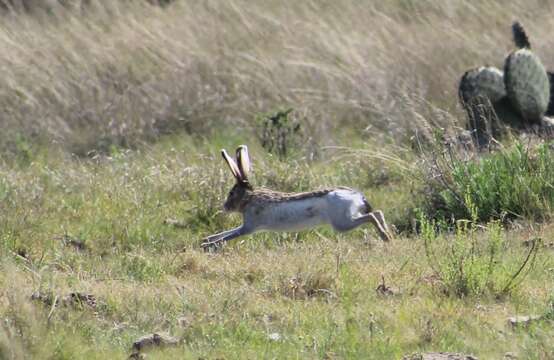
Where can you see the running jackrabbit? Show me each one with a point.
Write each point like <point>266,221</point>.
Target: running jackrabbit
<point>267,210</point>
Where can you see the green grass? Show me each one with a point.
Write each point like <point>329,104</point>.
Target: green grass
<point>515,182</point>
<point>471,265</point>
<point>316,289</point>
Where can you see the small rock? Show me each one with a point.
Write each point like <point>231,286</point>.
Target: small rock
<point>274,336</point>
<point>439,356</point>
<point>154,340</point>
<point>175,223</point>
<point>516,321</point>
<point>510,356</point>
<point>73,299</point>
<point>76,298</point>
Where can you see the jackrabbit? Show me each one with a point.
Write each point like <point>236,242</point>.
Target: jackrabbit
<point>263,209</point>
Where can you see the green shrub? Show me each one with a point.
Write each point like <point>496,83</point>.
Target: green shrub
<point>279,133</point>
<point>471,262</point>
<point>511,183</point>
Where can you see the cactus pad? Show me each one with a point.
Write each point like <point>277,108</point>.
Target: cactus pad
<point>483,96</point>
<point>520,37</point>
<point>487,82</point>
<point>527,85</point>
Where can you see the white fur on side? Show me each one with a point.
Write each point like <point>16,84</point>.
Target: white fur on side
<point>337,208</point>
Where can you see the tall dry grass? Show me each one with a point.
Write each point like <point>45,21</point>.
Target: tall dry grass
<point>124,72</point>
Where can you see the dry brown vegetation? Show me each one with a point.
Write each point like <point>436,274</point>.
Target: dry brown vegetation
<point>122,72</point>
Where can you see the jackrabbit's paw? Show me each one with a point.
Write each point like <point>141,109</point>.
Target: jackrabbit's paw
<point>211,246</point>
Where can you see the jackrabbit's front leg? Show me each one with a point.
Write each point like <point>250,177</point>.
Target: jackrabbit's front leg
<point>225,236</point>
<point>219,235</point>
<point>215,239</point>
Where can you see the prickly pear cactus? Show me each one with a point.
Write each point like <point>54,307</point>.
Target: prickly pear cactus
<point>483,96</point>
<point>521,40</point>
<point>487,82</point>
<point>527,85</point>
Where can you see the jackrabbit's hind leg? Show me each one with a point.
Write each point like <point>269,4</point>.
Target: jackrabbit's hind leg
<point>362,219</point>
<point>381,225</point>
<point>381,218</point>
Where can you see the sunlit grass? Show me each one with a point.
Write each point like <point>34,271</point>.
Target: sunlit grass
<point>315,289</point>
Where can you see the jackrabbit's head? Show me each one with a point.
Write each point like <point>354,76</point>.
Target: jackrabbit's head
<point>237,198</point>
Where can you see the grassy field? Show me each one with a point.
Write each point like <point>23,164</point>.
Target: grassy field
<point>110,176</point>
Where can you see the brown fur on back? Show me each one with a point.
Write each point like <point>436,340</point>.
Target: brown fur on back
<point>266,195</point>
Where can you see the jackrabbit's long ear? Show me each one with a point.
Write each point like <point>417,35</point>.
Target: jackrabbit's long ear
<point>232,165</point>
<point>243,161</point>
